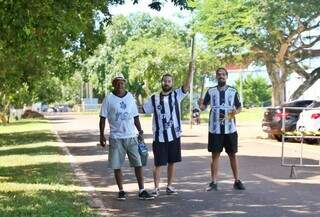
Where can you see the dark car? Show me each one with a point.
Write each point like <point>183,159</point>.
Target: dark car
<point>272,120</point>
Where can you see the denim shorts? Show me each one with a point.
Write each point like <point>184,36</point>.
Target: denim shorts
<point>118,150</point>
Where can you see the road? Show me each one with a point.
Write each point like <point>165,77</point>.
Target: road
<point>269,190</point>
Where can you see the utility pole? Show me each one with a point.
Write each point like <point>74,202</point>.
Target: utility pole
<point>192,68</point>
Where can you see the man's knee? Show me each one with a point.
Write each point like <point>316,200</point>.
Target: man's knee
<point>215,155</point>
<point>232,156</point>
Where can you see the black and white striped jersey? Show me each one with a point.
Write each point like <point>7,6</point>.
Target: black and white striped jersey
<point>166,115</point>
<point>222,101</point>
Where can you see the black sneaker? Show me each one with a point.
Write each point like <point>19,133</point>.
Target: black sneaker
<point>238,185</point>
<point>212,186</point>
<point>122,195</point>
<point>144,195</point>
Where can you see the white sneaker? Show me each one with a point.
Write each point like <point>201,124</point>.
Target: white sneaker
<point>155,192</point>
<point>171,190</point>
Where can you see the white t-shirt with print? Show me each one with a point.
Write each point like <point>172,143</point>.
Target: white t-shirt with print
<point>120,112</point>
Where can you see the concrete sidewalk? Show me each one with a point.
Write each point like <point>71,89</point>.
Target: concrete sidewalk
<point>270,191</point>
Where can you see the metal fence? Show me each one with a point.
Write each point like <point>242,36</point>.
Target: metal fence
<point>294,157</point>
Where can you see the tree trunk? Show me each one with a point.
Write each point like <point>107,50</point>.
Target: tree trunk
<point>278,84</point>
<point>138,99</point>
<point>4,106</point>
<point>277,92</point>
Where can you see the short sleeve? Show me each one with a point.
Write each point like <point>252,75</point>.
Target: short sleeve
<point>148,107</point>
<point>237,102</point>
<point>180,94</point>
<point>206,100</point>
<point>104,110</point>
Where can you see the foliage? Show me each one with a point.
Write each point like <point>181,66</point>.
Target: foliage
<point>279,34</point>
<point>142,48</point>
<point>255,91</point>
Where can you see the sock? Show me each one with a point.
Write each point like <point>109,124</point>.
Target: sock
<point>141,190</point>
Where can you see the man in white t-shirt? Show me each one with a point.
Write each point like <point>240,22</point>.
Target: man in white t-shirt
<point>165,107</point>
<point>120,109</point>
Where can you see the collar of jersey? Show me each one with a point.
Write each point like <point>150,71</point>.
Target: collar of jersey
<point>119,96</point>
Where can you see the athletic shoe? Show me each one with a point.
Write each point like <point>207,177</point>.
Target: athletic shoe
<point>171,191</point>
<point>144,195</point>
<point>212,186</point>
<point>122,195</point>
<point>155,192</point>
<point>238,185</point>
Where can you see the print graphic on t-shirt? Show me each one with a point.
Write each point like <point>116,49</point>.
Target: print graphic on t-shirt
<point>168,124</point>
<point>222,114</point>
<point>122,116</point>
<point>123,105</point>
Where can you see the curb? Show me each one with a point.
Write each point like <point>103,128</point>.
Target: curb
<point>96,202</point>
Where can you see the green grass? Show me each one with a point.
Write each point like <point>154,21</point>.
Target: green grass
<point>246,115</point>
<point>35,176</point>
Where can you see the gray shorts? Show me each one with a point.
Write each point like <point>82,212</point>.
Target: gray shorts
<point>119,148</point>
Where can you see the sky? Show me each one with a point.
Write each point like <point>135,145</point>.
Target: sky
<point>168,11</point>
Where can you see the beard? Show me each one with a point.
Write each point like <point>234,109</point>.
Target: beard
<point>221,83</point>
<point>166,88</point>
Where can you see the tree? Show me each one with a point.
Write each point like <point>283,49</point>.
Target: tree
<point>40,38</point>
<point>142,48</point>
<point>280,34</point>
<point>256,91</point>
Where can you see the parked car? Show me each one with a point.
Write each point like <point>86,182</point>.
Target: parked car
<point>63,108</point>
<point>309,121</point>
<point>52,109</point>
<point>272,120</point>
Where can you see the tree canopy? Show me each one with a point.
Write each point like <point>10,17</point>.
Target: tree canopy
<point>46,39</point>
<point>142,48</point>
<point>280,34</point>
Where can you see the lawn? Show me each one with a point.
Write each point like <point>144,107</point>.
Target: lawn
<point>35,176</point>
<point>246,115</point>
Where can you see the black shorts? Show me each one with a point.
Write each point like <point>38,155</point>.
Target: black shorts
<point>217,142</point>
<point>166,152</point>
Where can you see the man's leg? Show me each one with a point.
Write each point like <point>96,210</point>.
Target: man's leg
<point>156,176</point>
<point>119,178</point>
<point>238,185</point>
<point>139,175</point>
<point>234,165</point>
<point>215,166</point>
<point>170,171</point>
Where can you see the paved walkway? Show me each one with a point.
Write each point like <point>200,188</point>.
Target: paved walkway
<point>270,191</point>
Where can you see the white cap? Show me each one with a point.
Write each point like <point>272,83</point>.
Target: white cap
<point>118,77</point>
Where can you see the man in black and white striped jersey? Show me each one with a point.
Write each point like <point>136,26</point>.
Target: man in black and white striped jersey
<point>225,104</point>
<point>166,111</point>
